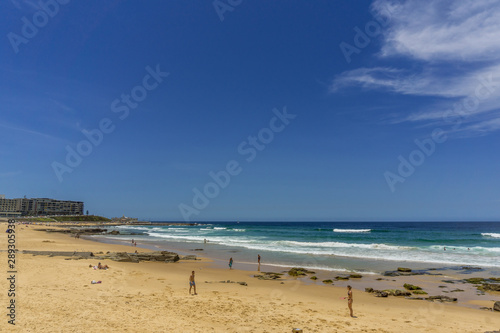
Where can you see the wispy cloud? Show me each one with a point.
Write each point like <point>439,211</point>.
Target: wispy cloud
<point>477,129</point>
<point>453,47</point>
<point>10,174</point>
<point>465,30</point>
<point>28,131</point>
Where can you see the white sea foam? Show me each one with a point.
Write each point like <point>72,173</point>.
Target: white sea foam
<point>464,249</point>
<point>352,230</point>
<point>346,245</point>
<point>177,229</point>
<point>219,228</point>
<point>482,256</point>
<point>133,228</point>
<point>490,234</point>
<point>239,230</point>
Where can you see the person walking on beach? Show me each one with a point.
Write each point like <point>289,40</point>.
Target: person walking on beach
<point>349,299</point>
<point>258,258</point>
<point>230,262</point>
<point>192,284</point>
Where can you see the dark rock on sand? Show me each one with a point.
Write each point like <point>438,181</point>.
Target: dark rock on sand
<point>114,232</point>
<point>189,257</point>
<point>411,287</point>
<point>398,292</point>
<point>456,290</point>
<point>313,278</point>
<point>369,290</point>
<point>327,281</point>
<point>442,298</point>
<point>355,276</point>
<point>471,268</point>
<point>475,280</point>
<point>137,257</point>
<point>268,276</point>
<point>120,257</point>
<point>344,278</point>
<point>297,271</point>
<point>72,254</point>
<point>489,287</point>
<point>496,306</point>
<point>382,294</point>
<point>402,271</point>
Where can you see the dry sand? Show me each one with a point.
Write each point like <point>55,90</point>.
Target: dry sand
<point>55,295</point>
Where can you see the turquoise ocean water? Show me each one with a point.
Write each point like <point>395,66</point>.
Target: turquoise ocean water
<point>337,246</point>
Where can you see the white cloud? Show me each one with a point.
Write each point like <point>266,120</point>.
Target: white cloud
<point>452,46</point>
<point>466,30</point>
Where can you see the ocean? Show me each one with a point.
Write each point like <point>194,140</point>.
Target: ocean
<point>368,247</point>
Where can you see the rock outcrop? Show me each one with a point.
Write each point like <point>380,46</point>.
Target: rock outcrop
<point>297,271</point>
<point>496,306</point>
<point>441,298</point>
<point>268,276</point>
<point>163,256</point>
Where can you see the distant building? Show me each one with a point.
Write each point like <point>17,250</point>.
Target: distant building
<point>39,206</point>
<point>124,220</point>
<point>9,207</point>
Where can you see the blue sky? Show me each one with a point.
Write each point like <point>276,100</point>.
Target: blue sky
<point>314,106</point>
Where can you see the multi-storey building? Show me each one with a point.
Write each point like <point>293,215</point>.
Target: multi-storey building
<point>39,206</point>
<point>9,207</point>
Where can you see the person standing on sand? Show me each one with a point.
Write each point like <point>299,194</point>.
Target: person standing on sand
<point>349,299</point>
<point>192,284</point>
<point>230,262</point>
<point>258,258</point>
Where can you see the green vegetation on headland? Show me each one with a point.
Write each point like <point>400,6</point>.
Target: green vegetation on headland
<point>91,218</point>
<point>37,219</point>
<point>66,218</point>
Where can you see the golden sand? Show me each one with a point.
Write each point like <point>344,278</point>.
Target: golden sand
<point>56,295</point>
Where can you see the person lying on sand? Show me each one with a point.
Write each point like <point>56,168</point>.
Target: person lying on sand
<point>102,266</point>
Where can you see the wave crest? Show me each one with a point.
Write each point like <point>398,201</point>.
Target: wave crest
<point>490,234</point>
<point>352,230</point>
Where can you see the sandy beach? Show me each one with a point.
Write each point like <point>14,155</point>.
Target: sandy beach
<point>56,295</point>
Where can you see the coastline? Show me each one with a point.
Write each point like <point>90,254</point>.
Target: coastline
<point>56,295</point>
<point>431,281</point>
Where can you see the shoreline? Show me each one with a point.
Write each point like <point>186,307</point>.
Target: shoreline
<point>52,286</point>
<point>430,283</point>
